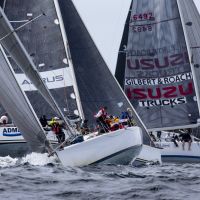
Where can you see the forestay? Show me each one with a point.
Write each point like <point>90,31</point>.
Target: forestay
<point>43,41</point>
<point>16,103</point>
<point>97,86</point>
<point>158,76</point>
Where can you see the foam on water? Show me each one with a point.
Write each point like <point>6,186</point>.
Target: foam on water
<point>38,159</point>
<point>7,161</point>
<point>35,159</point>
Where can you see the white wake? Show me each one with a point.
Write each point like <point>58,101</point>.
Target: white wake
<point>35,159</point>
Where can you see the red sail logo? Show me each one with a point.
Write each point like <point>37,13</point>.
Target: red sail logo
<point>158,63</point>
<point>158,92</point>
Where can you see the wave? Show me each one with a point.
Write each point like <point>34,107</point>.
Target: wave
<point>35,159</point>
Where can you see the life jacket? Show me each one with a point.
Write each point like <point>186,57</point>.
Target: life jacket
<point>52,122</point>
<point>103,113</point>
<point>56,128</point>
<point>121,126</point>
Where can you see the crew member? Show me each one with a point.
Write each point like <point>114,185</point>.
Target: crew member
<point>84,127</point>
<point>57,129</point>
<point>101,119</point>
<point>4,119</point>
<point>186,137</point>
<point>43,121</point>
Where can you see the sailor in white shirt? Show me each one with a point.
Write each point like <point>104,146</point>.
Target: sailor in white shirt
<point>4,119</point>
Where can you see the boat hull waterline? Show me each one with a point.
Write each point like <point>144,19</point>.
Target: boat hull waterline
<point>171,153</point>
<point>117,147</point>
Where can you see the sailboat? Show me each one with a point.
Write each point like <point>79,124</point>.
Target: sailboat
<point>112,149</point>
<point>85,55</point>
<point>161,69</point>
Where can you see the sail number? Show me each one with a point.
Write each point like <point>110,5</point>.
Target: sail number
<point>144,16</point>
<point>142,28</point>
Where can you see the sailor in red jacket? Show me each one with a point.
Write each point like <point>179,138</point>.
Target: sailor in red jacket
<point>101,119</point>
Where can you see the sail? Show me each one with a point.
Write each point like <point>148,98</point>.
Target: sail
<point>97,86</point>
<point>158,78</point>
<point>43,41</point>
<point>16,103</point>
<point>191,22</point>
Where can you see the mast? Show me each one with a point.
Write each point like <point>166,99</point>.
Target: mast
<point>66,44</point>
<point>121,59</point>
<point>190,54</point>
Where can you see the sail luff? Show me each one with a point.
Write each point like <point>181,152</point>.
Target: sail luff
<point>80,109</point>
<point>190,55</point>
<point>121,59</point>
<point>16,49</point>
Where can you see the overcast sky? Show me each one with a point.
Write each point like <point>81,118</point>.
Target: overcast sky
<point>105,21</point>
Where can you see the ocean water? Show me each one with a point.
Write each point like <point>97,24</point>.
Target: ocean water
<point>38,177</point>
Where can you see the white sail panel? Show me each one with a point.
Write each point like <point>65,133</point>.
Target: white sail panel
<point>54,79</point>
<point>16,104</point>
<point>158,77</point>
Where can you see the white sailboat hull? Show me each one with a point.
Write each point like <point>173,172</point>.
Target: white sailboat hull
<point>118,147</point>
<point>148,155</point>
<point>171,153</point>
<point>13,144</point>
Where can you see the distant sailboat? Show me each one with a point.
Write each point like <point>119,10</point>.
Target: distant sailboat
<point>161,70</point>
<point>115,152</point>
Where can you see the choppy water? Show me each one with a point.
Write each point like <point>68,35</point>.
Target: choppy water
<point>38,177</point>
